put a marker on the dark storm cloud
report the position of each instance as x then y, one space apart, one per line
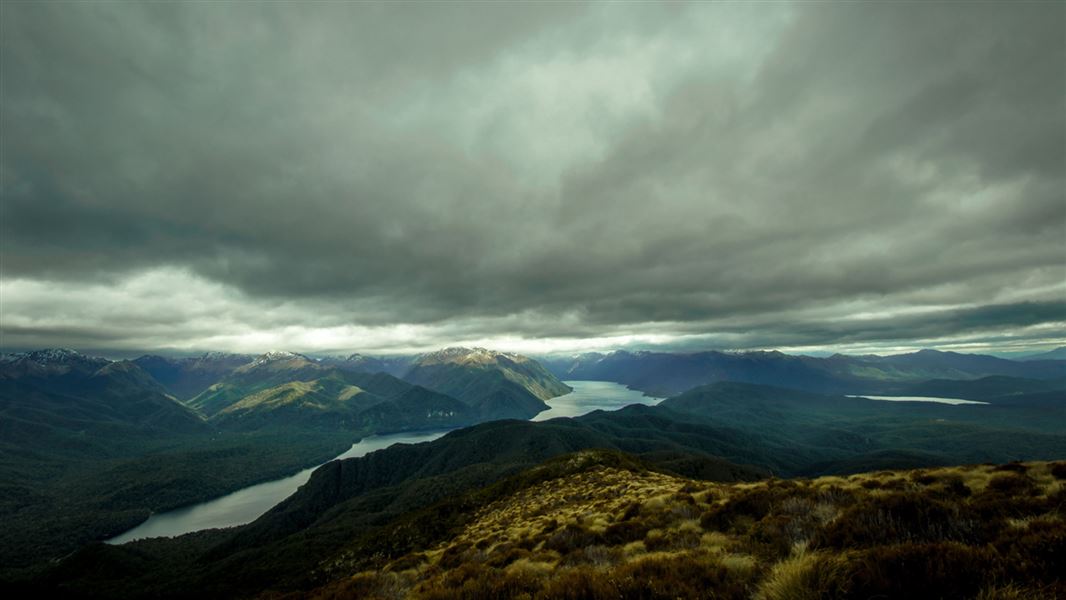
360 175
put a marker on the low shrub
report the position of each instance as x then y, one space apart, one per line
1037 554
580 584
923 478
505 555
409 561
1017 592
1012 467
571 537
773 537
475 582
928 570
685 576
953 486
1011 484
625 531
455 555
1058 470
753 504
902 518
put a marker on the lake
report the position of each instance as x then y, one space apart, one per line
248 504
920 399
593 395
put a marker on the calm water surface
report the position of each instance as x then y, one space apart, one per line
593 395
920 399
248 504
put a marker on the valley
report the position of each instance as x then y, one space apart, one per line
374 454
245 505
493 300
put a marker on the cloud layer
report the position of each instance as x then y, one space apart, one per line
395 177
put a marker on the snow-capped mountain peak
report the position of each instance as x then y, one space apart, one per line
49 356
274 355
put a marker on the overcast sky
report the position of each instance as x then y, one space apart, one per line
340 177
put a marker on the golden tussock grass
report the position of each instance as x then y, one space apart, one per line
994 532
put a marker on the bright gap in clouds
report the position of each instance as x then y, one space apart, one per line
173 310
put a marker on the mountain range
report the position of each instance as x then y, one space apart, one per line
91 447
71 422
364 513
665 373
63 400
1055 354
495 384
187 377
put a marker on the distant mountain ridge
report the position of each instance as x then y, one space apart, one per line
487 385
283 389
393 365
354 509
58 365
448 388
263 372
496 384
1056 354
664 373
187 377
64 399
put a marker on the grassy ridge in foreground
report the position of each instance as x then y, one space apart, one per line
616 530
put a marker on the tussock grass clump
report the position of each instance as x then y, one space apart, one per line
805 576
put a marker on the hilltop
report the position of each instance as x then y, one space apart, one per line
608 528
496 384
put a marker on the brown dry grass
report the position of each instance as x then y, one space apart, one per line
978 531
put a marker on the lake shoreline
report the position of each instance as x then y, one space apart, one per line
242 506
